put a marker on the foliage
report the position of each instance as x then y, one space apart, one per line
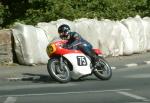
34 11
1 14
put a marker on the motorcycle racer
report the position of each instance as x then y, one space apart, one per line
76 41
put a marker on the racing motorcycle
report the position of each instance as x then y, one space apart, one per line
66 64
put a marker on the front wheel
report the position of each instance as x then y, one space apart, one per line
58 70
103 71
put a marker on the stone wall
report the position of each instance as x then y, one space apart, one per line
6 47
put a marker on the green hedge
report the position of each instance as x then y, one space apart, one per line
34 11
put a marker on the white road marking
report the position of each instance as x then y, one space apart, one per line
113 68
133 96
147 62
131 65
10 87
10 100
64 93
138 76
138 102
16 78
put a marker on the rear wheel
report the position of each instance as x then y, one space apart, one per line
103 70
59 72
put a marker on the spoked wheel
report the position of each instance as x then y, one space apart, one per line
103 70
59 72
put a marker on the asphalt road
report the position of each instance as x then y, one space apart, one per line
128 85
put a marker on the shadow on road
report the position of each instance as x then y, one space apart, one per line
37 78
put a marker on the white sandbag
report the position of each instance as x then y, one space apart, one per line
126 40
42 45
91 30
102 34
114 38
146 24
136 30
109 36
51 28
30 44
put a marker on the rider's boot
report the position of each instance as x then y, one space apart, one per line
94 59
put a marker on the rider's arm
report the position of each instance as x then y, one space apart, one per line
76 36
74 40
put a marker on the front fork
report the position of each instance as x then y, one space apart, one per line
61 62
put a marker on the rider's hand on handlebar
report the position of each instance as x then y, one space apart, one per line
65 46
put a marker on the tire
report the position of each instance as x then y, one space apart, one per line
61 75
103 71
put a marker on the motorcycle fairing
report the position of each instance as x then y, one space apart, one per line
80 63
